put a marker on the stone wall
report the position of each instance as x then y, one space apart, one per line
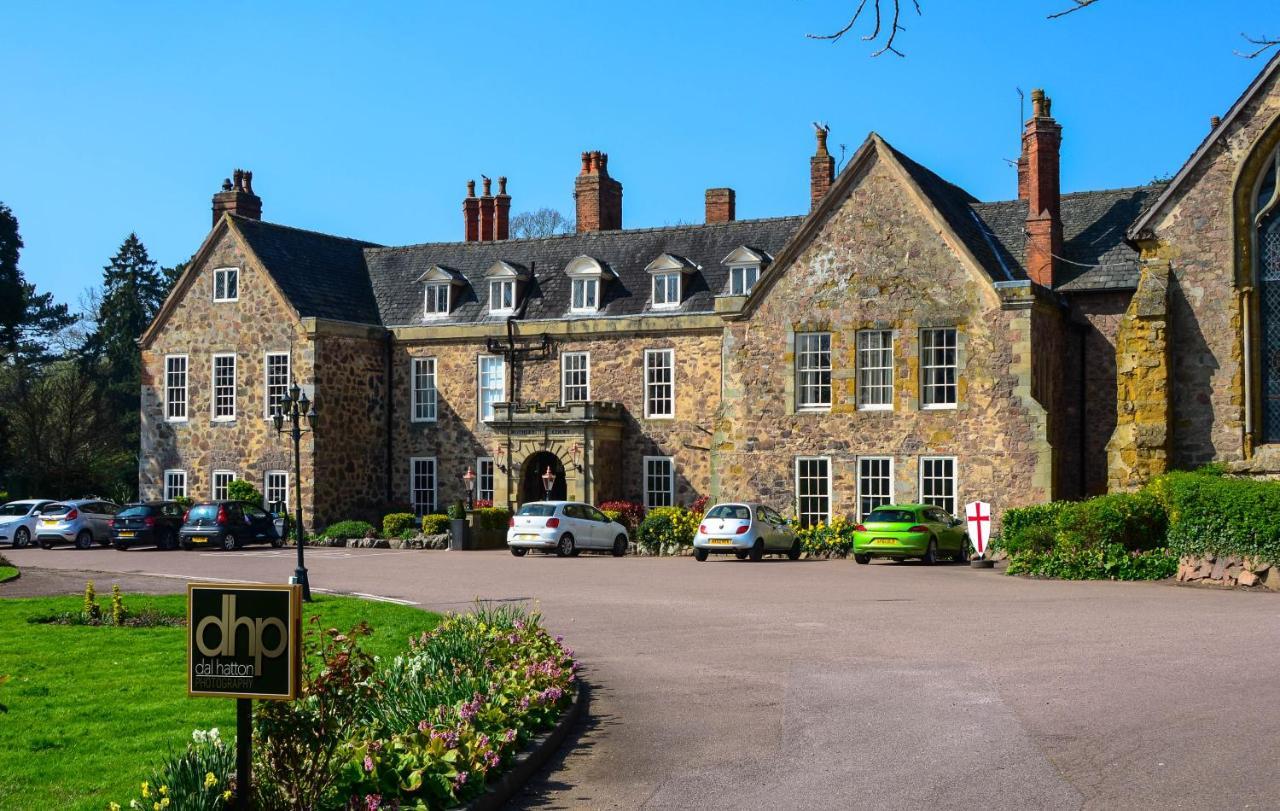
1139 447
1228 571
1097 316
878 263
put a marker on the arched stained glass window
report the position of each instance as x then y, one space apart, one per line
1267 220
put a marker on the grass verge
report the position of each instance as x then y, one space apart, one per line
91 709
8 573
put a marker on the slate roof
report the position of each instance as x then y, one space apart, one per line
323 276
394 271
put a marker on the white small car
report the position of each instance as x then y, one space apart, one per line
747 530
568 527
18 521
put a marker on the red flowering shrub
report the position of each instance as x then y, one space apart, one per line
627 513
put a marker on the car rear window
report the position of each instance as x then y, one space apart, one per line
136 510
890 517
737 511
56 509
537 509
203 511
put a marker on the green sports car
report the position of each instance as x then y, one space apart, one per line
903 531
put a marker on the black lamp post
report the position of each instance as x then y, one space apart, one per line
468 479
548 481
295 408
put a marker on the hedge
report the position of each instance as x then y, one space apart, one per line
350 529
435 524
1133 521
627 513
490 517
1216 515
395 524
666 529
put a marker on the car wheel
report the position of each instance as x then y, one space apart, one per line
84 540
620 546
757 551
700 555
930 553
228 542
21 538
794 552
740 555
963 555
277 542
565 548
518 551
861 559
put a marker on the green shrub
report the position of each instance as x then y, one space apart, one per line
241 490
435 524
1137 521
490 517
1030 528
350 529
184 502
394 524
666 529
1221 515
1108 562
835 539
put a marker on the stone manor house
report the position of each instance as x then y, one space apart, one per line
899 341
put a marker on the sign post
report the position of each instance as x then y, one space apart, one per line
244 641
978 518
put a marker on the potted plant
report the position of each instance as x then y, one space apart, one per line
459 531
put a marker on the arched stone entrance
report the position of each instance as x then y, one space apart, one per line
532 488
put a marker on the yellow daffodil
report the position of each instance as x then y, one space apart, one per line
164 803
226 796
155 807
164 790
210 781
113 807
146 789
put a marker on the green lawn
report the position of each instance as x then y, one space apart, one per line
8 573
91 708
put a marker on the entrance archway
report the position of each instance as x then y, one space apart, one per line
531 486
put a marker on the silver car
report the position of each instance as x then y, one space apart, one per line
81 522
18 520
568 527
746 530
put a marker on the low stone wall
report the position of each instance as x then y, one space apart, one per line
420 542
1228 571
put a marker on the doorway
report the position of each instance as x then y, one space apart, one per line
531 485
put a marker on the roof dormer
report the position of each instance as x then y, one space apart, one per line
587 277
438 283
506 281
668 272
744 266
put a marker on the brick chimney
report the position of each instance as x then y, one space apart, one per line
598 196
471 214
1038 186
502 211
486 210
822 168
237 197
721 205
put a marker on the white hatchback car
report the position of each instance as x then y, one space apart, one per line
568 527
18 520
747 530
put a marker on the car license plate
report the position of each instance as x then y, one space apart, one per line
722 541
886 540
127 534
48 522
527 537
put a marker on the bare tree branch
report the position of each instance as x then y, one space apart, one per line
1263 43
1079 4
894 26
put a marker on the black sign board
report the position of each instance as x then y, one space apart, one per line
244 641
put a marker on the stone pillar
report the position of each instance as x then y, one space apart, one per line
1139 446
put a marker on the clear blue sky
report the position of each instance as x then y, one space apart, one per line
366 119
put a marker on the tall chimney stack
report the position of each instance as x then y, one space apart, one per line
1038 185
237 197
598 196
471 214
486 210
502 211
721 205
822 168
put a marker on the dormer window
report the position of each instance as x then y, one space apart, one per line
437 297
505 280
668 272
744 269
587 278
226 284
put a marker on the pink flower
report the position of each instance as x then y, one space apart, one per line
372 802
368 763
491 760
459 781
509 736
423 726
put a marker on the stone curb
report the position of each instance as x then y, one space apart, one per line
533 758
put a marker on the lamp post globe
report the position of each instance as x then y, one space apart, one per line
468 480
548 481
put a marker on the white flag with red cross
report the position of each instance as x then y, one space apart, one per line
978 516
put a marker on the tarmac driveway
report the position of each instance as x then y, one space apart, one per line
824 684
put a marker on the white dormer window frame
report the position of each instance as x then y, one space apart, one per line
505 280
586 284
745 266
437 299
226 284
668 273
586 295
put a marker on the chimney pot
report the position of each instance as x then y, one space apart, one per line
236 197
471 214
822 168
502 211
1039 186
1214 121
721 205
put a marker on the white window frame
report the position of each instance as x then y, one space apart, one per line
661 281
175 479
419 507
169 389
483 462
220 275
230 476
497 303
668 496
266 379
480 387
213 387
650 385
800 511
431 299
267 488
863 479
935 500
928 368
423 401
565 371
871 366
803 370
742 278
588 285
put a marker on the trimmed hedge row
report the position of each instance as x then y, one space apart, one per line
1220 515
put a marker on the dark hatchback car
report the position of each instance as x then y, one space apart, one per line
153 523
227 525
